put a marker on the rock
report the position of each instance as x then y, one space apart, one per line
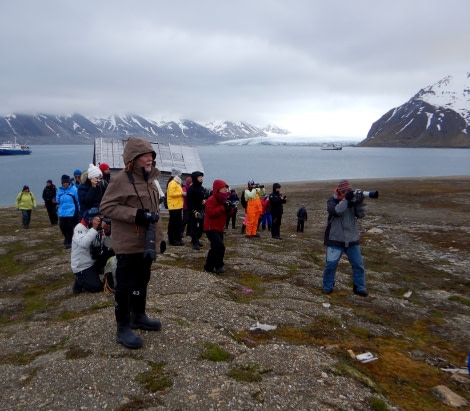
448 397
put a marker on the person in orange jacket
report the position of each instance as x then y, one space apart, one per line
253 208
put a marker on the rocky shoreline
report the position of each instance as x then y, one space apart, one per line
58 349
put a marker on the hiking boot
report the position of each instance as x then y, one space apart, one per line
219 270
362 293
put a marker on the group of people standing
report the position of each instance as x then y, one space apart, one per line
85 208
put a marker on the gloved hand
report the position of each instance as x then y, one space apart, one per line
349 195
162 247
34 208
141 218
227 206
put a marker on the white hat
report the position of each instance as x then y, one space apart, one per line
175 172
94 171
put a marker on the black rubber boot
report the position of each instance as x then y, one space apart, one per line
143 322
243 228
127 338
138 317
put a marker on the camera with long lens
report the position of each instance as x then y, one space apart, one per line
359 195
258 185
150 235
152 216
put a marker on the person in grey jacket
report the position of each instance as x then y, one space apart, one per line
342 236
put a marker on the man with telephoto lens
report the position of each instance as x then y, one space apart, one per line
132 202
342 236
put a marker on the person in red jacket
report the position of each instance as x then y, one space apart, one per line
217 211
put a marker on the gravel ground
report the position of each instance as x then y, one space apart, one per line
62 354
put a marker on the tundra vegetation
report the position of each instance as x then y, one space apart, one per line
58 348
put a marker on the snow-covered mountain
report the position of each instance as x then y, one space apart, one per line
78 129
437 116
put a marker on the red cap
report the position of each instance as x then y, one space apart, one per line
103 166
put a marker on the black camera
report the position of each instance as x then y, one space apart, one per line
152 216
359 195
232 204
257 185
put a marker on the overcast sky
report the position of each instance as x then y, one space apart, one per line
320 68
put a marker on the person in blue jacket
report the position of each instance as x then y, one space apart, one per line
68 209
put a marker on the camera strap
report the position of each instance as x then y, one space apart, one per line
131 180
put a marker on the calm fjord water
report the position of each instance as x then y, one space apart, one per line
238 164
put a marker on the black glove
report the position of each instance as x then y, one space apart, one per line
162 247
349 195
142 217
227 206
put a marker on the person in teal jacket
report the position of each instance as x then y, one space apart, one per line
69 208
26 202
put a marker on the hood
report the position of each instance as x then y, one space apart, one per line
276 185
135 147
195 175
218 184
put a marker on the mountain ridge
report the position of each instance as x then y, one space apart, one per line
77 129
436 116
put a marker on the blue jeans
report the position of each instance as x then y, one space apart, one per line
333 255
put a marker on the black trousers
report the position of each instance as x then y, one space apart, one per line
276 227
196 230
175 221
132 278
67 224
300 225
89 279
215 256
52 212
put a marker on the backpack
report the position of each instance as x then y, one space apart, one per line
243 199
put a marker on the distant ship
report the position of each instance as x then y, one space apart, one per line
330 146
13 149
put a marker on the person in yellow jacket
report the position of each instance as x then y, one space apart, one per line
26 202
174 196
253 208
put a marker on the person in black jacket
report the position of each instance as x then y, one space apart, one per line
91 191
301 218
233 198
195 201
48 195
276 199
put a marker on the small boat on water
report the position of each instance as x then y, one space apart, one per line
331 146
14 149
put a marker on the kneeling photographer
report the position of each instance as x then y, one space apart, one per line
91 248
